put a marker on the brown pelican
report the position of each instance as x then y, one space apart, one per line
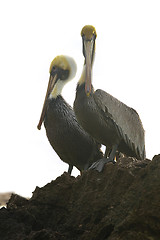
72 144
109 121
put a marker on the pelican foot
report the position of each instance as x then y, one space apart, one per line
99 165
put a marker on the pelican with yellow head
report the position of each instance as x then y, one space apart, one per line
72 144
105 118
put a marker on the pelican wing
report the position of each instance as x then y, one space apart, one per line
125 119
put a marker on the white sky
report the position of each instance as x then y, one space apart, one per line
32 33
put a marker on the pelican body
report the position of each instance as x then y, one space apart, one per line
72 144
105 118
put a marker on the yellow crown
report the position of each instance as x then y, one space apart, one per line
88 31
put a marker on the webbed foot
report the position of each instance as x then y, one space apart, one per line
99 165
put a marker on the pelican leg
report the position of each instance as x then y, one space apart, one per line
99 165
107 152
70 169
113 153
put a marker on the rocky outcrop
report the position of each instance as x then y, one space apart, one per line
122 202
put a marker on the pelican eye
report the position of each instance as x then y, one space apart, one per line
61 73
53 70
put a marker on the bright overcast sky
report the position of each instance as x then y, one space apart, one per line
32 33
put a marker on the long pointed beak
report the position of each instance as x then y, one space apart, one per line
88 45
51 83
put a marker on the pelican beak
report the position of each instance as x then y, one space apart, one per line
88 50
51 83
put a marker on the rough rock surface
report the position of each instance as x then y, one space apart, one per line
122 202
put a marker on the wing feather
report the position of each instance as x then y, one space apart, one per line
126 121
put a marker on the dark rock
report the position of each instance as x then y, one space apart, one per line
122 202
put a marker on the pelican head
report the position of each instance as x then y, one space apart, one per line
62 70
89 35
